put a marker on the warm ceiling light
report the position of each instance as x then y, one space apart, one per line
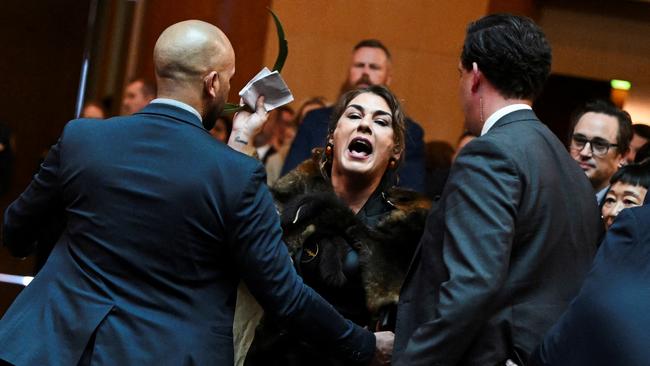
621 84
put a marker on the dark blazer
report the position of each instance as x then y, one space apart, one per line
504 253
313 133
162 223
608 322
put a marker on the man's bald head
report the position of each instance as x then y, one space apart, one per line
194 62
190 49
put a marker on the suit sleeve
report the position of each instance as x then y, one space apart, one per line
480 203
41 199
581 335
266 268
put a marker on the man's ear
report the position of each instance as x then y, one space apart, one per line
477 77
211 83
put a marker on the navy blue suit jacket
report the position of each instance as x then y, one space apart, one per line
313 132
162 223
608 322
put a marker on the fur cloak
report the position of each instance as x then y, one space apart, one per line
311 212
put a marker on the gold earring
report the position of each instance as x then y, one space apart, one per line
328 149
392 163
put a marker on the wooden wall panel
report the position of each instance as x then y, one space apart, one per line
42 46
245 24
425 38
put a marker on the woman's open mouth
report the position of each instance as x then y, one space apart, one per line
360 148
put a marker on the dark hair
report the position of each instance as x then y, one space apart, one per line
372 43
398 119
511 51
624 134
643 154
148 87
637 174
641 130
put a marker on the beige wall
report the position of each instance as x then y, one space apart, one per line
424 37
595 43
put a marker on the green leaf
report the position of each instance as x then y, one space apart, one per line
231 108
283 51
283 48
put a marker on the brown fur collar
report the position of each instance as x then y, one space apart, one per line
310 209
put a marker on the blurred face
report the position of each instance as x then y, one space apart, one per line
601 129
621 195
636 143
92 111
364 138
370 66
134 98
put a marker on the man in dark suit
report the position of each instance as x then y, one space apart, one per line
370 65
608 322
516 227
162 223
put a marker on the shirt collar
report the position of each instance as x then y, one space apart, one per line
494 117
179 104
600 195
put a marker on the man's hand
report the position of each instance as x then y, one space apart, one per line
245 126
384 348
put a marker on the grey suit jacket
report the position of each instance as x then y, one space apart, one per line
503 254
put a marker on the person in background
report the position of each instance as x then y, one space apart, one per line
137 94
627 188
599 141
93 109
640 138
275 162
439 159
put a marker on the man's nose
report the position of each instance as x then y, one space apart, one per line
586 150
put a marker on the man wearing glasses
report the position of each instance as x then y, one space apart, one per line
600 139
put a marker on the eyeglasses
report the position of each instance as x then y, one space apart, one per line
599 146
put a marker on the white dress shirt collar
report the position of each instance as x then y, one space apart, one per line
178 104
494 117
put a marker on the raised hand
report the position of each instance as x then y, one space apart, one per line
245 125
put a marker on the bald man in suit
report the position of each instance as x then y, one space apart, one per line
163 221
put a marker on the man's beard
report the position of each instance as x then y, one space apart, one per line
212 113
363 80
